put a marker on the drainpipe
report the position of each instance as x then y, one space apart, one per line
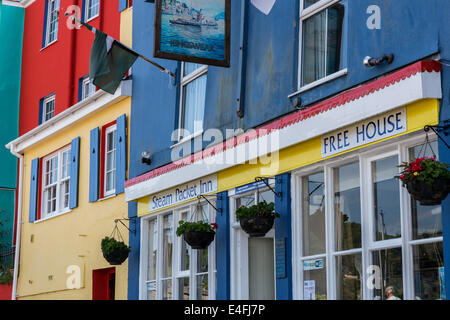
19 221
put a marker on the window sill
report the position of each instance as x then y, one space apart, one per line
92 18
188 138
319 82
54 216
49 44
107 197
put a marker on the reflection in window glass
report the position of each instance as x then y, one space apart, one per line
428 271
183 287
426 220
349 277
202 287
347 207
308 3
314 279
152 254
185 257
246 201
386 198
167 246
388 279
167 289
313 214
267 195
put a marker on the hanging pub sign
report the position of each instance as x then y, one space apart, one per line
193 31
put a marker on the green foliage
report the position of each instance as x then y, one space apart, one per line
199 226
423 169
110 245
6 277
262 209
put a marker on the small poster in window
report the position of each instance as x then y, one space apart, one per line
309 290
195 31
442 282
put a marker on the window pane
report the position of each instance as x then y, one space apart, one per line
166 290
308 3
167 246
202 287
347 207
246 201
349 277
388 279
185 257
267 195
191 67
315 279
183 287
426 220
202 261
428 271
152 249
313 208
65 194
151 290
386 196
322 35
194 105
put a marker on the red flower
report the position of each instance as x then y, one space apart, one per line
214 225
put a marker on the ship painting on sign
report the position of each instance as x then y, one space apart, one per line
193 27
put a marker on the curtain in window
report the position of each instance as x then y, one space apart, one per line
322 35
194 105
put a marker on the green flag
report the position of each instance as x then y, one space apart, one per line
109 62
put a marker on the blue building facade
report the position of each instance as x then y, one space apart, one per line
330 127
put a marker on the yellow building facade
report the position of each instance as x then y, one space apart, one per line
59 254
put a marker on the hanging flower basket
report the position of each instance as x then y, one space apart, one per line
115 252
198 235
426 179
257 220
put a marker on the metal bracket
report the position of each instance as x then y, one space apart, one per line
120 220
436 129
257 179
203 197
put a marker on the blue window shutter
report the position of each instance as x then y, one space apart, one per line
223 247
83 11
74 172
80 88
94 165
121 153
45 24
41 110
34 187
122 5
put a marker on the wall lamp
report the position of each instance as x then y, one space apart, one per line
372 62
146 157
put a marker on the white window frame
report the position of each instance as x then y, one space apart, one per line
110 130
239 276
185 80
56 3
89 5
45 110
177 273
306 13
365 156
58 184
88 88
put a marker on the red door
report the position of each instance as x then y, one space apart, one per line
104 284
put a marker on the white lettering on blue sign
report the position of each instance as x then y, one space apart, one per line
183 193
364 132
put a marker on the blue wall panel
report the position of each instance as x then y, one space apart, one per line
223 247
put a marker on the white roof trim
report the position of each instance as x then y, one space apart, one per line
72 115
